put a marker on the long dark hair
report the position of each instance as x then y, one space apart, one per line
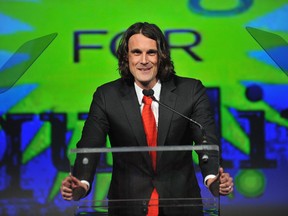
166 67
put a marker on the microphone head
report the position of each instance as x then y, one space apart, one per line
148 92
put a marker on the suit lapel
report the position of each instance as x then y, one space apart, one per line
168 98
132 110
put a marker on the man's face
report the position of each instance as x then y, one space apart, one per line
143 60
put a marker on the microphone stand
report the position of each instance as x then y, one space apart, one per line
150 93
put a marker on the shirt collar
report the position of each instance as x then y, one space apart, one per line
156 89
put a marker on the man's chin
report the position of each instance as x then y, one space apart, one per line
145 83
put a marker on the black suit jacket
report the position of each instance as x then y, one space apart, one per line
115 112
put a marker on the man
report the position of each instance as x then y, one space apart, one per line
117 110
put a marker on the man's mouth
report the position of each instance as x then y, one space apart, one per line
145 69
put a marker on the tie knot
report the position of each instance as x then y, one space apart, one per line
147 100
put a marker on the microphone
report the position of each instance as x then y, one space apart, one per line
78 193
150 93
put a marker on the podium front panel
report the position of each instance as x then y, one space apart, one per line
121 197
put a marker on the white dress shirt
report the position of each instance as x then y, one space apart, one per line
154 105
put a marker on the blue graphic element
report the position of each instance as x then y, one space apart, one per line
12 25
280 56
273 94
2 149
17 59
43 166
243 122
4 56
274 21
69 135
254 93
14 95
243 5
274 45
263 57
30 130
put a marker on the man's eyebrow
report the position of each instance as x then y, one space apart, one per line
149 51
135 50
152 51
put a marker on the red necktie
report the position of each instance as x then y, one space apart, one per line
149 124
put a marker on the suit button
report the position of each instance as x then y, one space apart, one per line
145 211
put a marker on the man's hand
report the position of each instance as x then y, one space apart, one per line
72 188
225 182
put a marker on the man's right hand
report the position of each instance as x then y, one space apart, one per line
72 188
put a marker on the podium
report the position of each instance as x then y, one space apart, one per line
208 204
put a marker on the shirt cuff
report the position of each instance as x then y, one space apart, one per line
208 177
87 183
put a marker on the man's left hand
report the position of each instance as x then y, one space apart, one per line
225 182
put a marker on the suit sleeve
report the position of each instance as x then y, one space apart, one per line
94 135
203 114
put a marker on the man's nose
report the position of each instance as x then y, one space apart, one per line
144 59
